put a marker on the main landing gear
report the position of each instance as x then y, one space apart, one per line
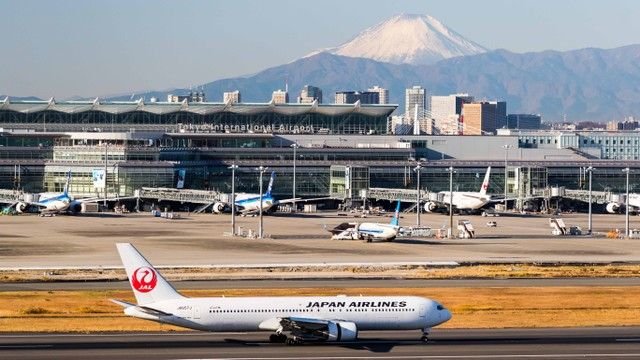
283 339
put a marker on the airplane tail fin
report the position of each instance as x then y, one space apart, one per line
396 216
147 283
485 183
67 183
273 176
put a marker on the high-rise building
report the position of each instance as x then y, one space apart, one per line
193 96
416 99
501 113
479 118
280 97
383 94
351 97
309 94
524 121
445 112
232 97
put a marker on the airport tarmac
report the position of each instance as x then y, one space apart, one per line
88 241
572 343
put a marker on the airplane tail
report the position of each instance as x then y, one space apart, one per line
485 183
147 283
396 216
67 183
273 176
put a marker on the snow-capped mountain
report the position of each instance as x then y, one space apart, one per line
408 39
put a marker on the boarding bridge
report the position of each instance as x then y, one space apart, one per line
204 197
404 195
10 196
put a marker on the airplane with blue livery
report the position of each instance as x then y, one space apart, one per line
368 231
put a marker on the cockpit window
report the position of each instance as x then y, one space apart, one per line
440 307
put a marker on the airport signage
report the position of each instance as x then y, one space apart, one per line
248 128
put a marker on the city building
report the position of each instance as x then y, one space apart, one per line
280 97
383 94
351 97
309 94
193 96
232 97
416 102
446 111
524 121
628 124
479 118
501 113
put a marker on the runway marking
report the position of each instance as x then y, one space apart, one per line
35 346
503 356
112 335
628 340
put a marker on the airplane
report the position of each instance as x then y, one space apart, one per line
462 200
249 204
293 320
51 203
368 231
615 207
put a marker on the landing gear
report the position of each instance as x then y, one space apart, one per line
425 335
277 338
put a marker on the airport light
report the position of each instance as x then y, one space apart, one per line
418 170
295 146
262 169
233 168
506 148
450 235
626 205
589 170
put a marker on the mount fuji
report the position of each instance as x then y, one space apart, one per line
408 39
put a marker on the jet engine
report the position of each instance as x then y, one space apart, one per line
75 207
21 207
219 207
342 331
430 206
612 207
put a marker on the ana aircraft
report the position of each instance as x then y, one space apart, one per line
292 320
462 200
250 203
368 231
49 203
615 207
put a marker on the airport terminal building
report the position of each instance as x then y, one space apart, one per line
191 145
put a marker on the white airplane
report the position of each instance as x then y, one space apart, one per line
291 319
368 231
250 203
51 203
615 207
462 200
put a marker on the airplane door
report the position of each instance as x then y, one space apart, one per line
423 311
196 312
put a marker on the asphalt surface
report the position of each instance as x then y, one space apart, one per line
327 283
578 343
194 240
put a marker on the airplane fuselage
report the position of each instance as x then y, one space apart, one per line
246 314
466 200
250 202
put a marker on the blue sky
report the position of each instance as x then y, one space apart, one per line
91 48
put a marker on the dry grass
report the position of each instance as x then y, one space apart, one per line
86 311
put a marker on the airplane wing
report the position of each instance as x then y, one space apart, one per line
294 324
288 201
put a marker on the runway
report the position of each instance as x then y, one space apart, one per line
575 343
327 283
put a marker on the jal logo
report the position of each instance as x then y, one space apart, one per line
144 279
485 186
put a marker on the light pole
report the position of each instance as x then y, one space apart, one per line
589 170
106 160
233 168
295 146
626 205
262 169
450 202
506 148
418 170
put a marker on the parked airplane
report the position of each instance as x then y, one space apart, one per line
49 203
291 319
368 231
250 203
462 200
615 207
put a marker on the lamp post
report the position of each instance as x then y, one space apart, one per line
295 146
506 148
589 170
418 170
626 205
450 202
262 169
233 168
106 160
